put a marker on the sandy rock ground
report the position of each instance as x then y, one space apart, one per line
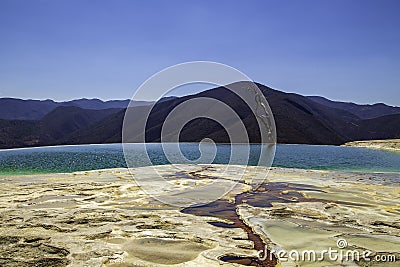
391 144
102 218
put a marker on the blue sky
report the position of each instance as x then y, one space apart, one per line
66 49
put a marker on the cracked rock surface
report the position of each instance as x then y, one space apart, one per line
102 218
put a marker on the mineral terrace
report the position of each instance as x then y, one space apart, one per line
103 218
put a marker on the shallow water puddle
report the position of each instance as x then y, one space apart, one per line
164 251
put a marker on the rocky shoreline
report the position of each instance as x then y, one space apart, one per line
390 144
102 218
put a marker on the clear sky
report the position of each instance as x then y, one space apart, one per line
67 49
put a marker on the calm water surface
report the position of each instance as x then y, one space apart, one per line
89 157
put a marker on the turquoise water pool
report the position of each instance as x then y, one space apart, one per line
89 157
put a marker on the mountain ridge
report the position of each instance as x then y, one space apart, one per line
299 119
30 109
51 129
364 111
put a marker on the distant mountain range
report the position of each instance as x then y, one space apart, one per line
18 109
362 111
299 120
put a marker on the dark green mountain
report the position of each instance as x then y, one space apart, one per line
51 129
362 111
299 120
18 109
